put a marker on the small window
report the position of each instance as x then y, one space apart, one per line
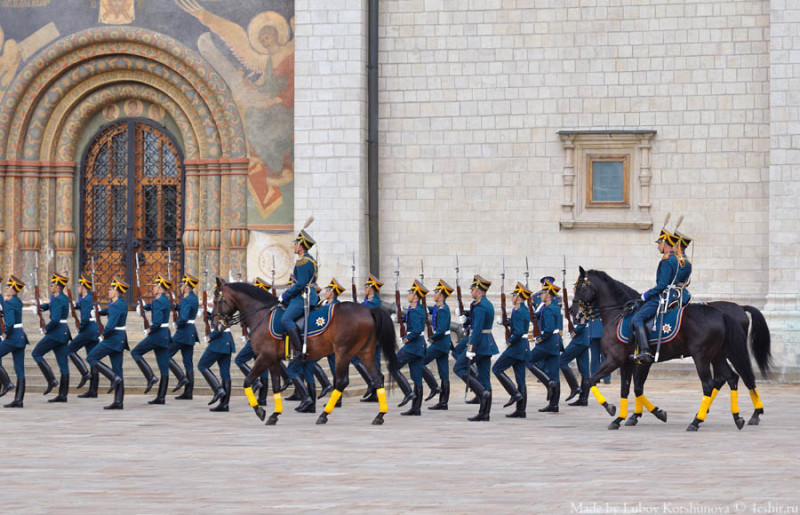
608 179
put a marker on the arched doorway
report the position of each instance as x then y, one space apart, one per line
132 205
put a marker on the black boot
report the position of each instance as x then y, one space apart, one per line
521 405
246 372
213 382
324 382
183 379
510 387
553 406
18 396
574 389
402 382
485 409
641 340
284 377
189 390
80 366
539 374
262 393
5 382
482 395
296 395
444 397
63 390
297 344
161 398
309 403
583 398
151 378
110 375
93 383
47 372
223 404
119 395
416 405
369 395
433 384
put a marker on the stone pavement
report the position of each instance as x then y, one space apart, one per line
181 458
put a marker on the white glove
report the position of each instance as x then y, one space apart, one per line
470 354
41 330
209 311
462 319
393 316
643 297
499 320
205 339
244 339
101 338
138 309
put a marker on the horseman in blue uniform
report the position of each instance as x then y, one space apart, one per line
219 350
113 342
481 346
666 276
684 267
371 300
56 337
87 336
157 340
440 342
516 353
304 273
14 338
185 336
547 346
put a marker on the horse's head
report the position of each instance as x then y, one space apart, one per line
585 293
224 305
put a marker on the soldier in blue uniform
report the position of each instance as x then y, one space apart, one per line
219 350
595 335
666 276
246 354
14 338
440 342
481 347
548 344
56 337
87 336
157 340
516 353
413 351
371 300
578 349
113 342
185 337
304 273
330 295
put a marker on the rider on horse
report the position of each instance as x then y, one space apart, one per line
305 274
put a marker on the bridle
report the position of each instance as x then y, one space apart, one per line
237 316
586 307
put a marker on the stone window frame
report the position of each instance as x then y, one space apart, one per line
580 147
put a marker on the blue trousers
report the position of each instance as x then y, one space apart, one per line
414 363
100 351
61 351
162 354
597 357
210 357
505 362
302 369
549 362
81 340
18 354
647 311
580 353
187 353
245 355
442 362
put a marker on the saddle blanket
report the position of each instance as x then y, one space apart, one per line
318 321
669 327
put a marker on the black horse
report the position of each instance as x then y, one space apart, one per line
707 334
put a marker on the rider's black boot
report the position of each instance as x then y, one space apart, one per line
644 345
297 344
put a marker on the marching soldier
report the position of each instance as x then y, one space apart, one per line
113 342
413 350
157 340
548 344
516 353
371 300
246 354
330 295
87 336
219 350
304 273
14 340
185 337
481 346
56 337
578 349
595 335
440 343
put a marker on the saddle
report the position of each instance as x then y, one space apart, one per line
670 326
318 319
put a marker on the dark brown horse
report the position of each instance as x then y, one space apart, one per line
354 330
706 334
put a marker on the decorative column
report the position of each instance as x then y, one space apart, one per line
191 232
238 215
64 236
2 212
29 242
568 176
212 227
645 176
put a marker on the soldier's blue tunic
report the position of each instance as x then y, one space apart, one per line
185 331
115 337
462 364
548 349
375 302
595 335
413 351
15 339
157 339
219 350
684 274
481 341
305 273
440 342
516 353
87 328
666 274
578 349
56 333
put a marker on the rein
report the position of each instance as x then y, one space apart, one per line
235 319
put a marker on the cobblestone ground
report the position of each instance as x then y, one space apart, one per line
180 458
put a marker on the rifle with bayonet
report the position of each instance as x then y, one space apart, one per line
570 325
428 326
37 294
536 331
100 326
353 278
503 312
242 324
172 306
72 306
205 299
139 301
397 300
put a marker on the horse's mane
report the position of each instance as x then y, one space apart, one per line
618 289
253 291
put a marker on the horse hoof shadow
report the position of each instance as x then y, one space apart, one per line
378 420
660 414
273 419
610 409
615 424
323 418
739 421
633 419
260 413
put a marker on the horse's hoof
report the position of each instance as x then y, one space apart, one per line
633 420
273 419
260 413
615 423
692 428
610 409
754 421
660 414
739 421
323 418
378 420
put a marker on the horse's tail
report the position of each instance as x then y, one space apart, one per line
735 345
760 340
387 339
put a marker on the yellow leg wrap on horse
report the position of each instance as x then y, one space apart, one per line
734 401
637 405
278 402
251 398
714 393
383 407
597 395
704 405
623 408
332 401
756 398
